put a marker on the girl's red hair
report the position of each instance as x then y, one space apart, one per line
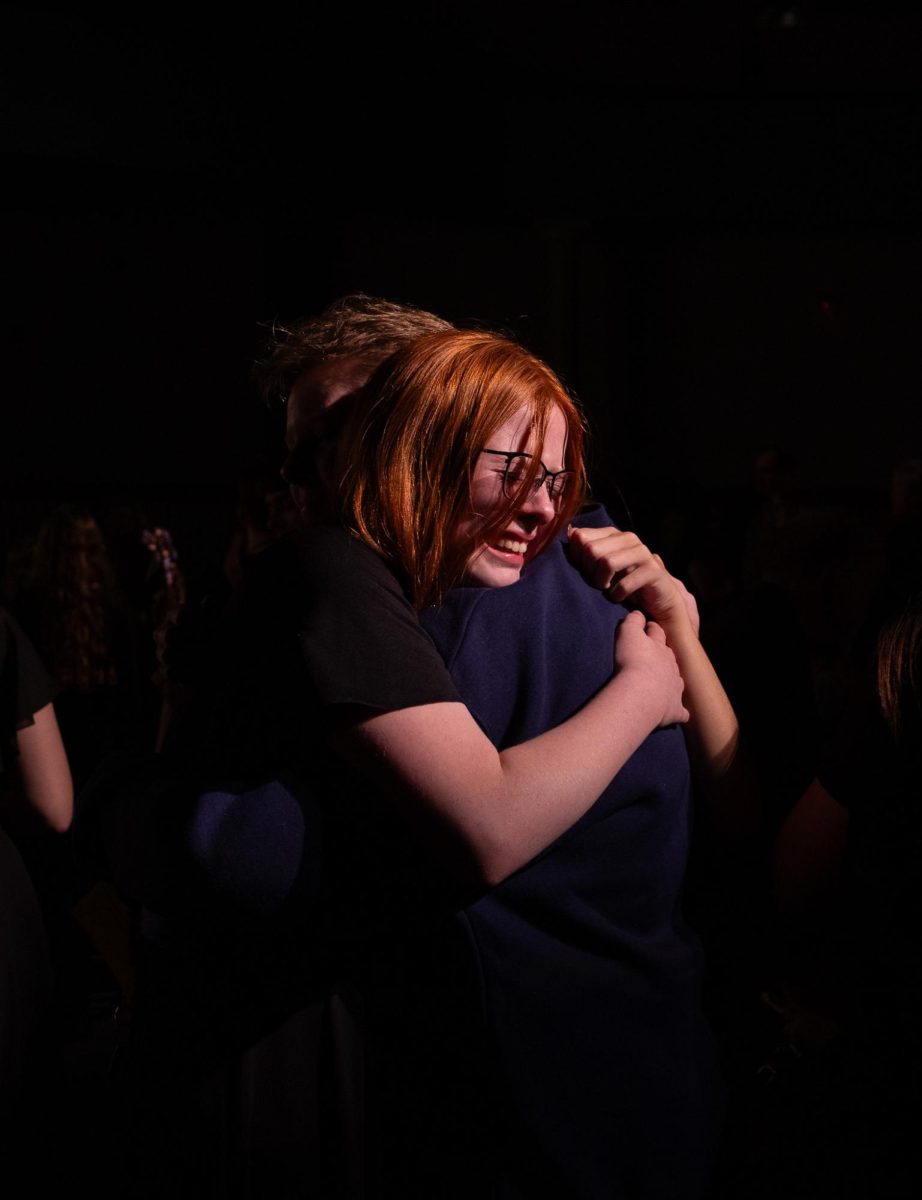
409 447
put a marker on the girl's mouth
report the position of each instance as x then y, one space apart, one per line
512 545
510 549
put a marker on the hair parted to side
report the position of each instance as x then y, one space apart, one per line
409 448
356 325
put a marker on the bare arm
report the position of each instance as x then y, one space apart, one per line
628 572
495 810
44 770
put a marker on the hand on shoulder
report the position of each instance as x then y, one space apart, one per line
628 572
641 654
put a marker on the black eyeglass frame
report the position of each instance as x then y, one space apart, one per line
544 477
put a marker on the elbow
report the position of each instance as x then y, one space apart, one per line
54 806
723 759
474 871
479 865
477 880
491 875
501 846
58 811
61 820
496 861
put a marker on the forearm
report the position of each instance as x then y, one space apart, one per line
494 811
712 730
621 566
723 777
552 780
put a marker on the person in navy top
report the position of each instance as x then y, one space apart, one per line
591 979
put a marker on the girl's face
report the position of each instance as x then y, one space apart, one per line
499 561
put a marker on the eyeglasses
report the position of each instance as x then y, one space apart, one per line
515 474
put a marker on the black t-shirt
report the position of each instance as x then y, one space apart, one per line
391 903
362 640
25 968
317 625
365 651
25 685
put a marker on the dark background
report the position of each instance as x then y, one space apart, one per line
708 218
710 222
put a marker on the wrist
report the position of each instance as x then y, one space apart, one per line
676 622
639 699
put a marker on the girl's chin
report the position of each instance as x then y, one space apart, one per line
492 567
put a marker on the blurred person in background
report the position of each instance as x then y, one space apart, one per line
36 794
71 606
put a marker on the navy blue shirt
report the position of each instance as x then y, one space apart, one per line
605 1071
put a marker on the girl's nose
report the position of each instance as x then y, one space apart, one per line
539 505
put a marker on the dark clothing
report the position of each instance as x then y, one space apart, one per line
254 858
25 964
365 650
25 982
25 686
108 716
591 979
546 1038
391 907
834 1109
237 1068
874 944
362 640
243 850
233 661
541 1040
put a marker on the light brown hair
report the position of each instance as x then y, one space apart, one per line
358 326
409 447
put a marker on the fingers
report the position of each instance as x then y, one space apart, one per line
584 534
641 646
591 544
615 562
635 618
613 567
636 621
632 629
633 579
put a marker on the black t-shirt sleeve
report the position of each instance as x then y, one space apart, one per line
25 685
30 684
361 638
